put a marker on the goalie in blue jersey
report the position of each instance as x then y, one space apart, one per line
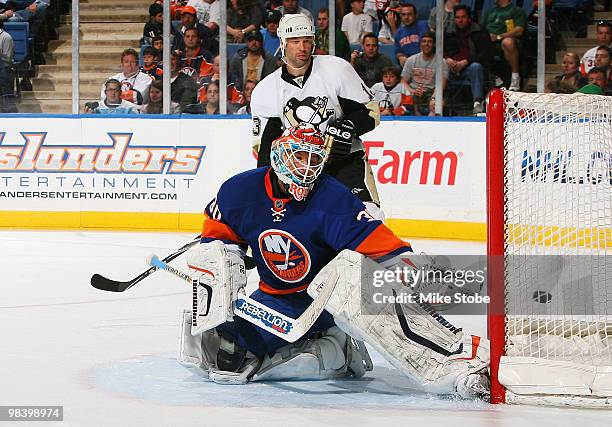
304 227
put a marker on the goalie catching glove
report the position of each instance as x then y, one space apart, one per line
219 279
342 132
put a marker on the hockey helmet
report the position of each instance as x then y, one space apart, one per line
294 25
297 157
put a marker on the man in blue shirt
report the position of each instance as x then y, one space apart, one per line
408 36
271 42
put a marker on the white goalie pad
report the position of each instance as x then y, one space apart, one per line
333 355
430 351
200 351
219 279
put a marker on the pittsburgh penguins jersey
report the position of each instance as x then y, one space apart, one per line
329 89
292 241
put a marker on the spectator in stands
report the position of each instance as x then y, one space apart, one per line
155 26
112 101
156 100
597 76
419 73
468 51
604 38
571 74
134 83
158 44
243 16
249 85
322 37
183 89
449 15
213 73
5 14
150 65
506 24
356 23
558 86
292 6
7 51
391 93
252 62
389 23
195 62
602 60
212 95
271 42
408 36
591 89
27 10
189 20
370 62
208 13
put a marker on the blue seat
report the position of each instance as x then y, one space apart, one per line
389 50
20 32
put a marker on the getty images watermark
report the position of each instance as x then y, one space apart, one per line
443 282
546 285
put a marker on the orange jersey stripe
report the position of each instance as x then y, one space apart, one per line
269 290
380 242
214 229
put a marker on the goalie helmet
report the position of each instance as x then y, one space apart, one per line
294 25
297 157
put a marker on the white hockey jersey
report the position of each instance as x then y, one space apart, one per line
324 93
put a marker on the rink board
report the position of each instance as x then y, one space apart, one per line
158 173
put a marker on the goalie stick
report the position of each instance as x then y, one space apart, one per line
100 282
263 316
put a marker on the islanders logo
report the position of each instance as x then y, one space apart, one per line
286 258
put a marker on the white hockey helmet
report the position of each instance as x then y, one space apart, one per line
294 25
297 157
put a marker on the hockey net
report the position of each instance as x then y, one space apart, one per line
549 213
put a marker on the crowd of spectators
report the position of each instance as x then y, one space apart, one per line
390 46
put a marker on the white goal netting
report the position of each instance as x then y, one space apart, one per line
558 236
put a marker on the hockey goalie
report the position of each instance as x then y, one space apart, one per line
310 236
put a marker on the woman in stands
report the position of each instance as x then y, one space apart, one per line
571 74
156 100
388 13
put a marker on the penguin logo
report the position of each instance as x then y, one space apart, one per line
310 110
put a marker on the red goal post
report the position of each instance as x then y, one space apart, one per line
549 227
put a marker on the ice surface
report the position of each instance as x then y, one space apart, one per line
108 358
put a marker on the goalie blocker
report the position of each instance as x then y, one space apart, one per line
432 353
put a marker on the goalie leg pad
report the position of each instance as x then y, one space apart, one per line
430 351
201 351
331 356
219 278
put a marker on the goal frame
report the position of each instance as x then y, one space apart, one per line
496 199
558 358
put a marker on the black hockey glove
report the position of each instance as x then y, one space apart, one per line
343 131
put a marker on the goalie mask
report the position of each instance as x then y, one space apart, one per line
297 157
294 25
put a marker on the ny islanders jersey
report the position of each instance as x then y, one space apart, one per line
292 241
316 98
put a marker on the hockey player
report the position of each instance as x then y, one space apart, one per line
304 227
322 90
